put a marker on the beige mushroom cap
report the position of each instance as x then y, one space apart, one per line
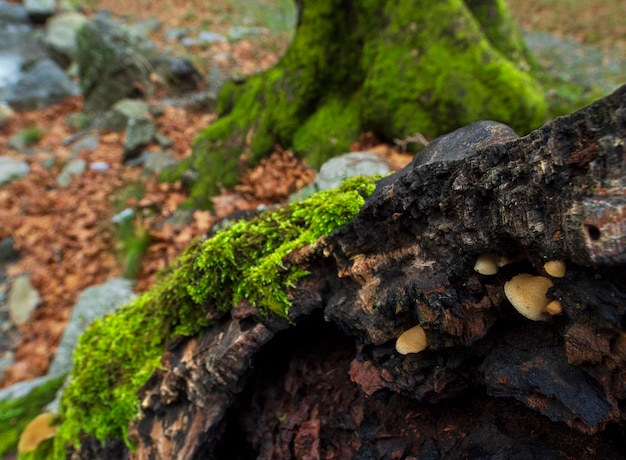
553 308
486 264
555 268
527 293
413 340
39 429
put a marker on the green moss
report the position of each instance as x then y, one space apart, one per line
26 137
15 414
118 353
431 76
329 131
502 31
45 449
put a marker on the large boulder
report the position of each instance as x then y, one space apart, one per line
112 64
60 37
40 83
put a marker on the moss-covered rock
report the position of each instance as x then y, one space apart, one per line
395 68
117 354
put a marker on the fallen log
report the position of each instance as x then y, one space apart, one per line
329 382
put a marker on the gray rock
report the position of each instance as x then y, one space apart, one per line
177 33
93 303
60 37
12 169
25 138
204 38
6 112
112 64
158 161
126 213
99 166
87 143
146 27
40 84
10 64
21 389
117 117
463 142
163 140
23 298
6 359
11 14
40 10
139 133
72 168
179 73
237 33
336 170
78 120
7 253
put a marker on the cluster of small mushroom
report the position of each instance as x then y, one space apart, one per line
527 293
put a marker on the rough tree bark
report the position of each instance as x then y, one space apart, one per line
330 383
392 68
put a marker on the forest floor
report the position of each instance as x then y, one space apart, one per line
65 237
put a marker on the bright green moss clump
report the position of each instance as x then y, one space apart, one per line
117 354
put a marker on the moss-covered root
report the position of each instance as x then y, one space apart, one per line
502 31
395 68
117 354
442 74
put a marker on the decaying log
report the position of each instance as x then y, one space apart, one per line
491 382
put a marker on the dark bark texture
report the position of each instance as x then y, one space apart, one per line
491 384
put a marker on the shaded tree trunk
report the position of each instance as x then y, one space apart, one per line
392 68
330 383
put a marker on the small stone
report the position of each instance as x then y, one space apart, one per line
122 215
239 33
23 298
336 170
60 36
78 120
158 161
7 253
6 113
116 119
40 84
99 166
40 10
73 168
11 169
87 143
139 133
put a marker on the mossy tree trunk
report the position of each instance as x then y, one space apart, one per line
395 68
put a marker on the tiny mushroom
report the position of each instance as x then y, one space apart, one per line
413 340
555 268
553 308
39 429
486 264
527 293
